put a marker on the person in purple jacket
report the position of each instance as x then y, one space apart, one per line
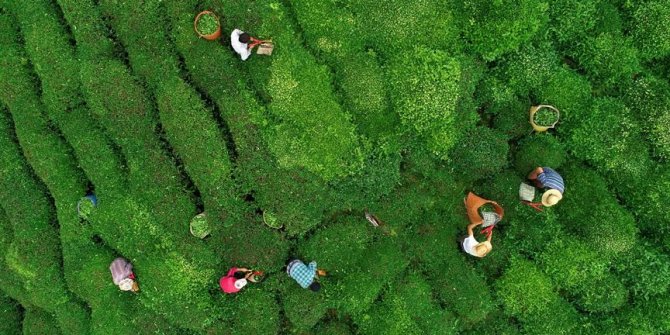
123 276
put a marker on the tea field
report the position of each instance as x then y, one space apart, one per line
398 107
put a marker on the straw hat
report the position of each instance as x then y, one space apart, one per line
551 197
483 248
126 284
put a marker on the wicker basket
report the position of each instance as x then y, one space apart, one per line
538 127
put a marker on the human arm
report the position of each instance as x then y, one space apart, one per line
470 228
312 267
533 174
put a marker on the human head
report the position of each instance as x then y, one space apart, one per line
315 287
244 38
240 283
239 275
483 248
551 197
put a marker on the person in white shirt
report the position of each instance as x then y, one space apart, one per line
239 40
474 247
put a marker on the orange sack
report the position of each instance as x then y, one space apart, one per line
472 204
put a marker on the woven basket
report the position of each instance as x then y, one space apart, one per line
190 226
538 127
213 36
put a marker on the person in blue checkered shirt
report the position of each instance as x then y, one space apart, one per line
304 274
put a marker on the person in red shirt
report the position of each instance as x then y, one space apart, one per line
236 279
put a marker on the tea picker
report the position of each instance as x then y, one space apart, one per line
243 44
237 278
305 275
123 276
547 179
478 215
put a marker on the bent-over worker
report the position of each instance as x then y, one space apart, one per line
123 276
236 279
551 181
305 274
474 247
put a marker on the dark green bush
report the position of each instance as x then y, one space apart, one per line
480 153
578 269
255 311
398 25
645 271
407 307
572 20
649 99
606 136
609 58
425 90
527 294
539 150
302 307
495 28
354 294
39 322
10 316
650 27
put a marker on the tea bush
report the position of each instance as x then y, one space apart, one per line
498 27
645 271
10 316
539 150
527 294
649 25
425 91
398 108
480 153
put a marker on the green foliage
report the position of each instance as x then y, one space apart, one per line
614 230
398 25
606 136
399 107
609 58
527 295
645 271
39 322
650 28
408 308
10 316
425 89
497 27
480 153
649 99
539 150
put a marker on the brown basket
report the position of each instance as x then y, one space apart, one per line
213 36
538 127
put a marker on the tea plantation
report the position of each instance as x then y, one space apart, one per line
398 107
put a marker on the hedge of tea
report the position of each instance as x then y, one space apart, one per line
398 108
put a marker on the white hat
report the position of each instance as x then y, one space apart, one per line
551 197
126 284
240 283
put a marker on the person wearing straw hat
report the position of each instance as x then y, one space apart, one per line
551 181
474 247
123 276
236 279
